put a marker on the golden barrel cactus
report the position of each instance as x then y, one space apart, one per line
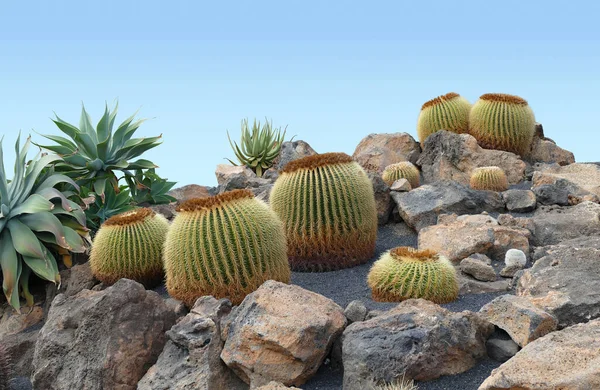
225 246
446 112
489 178
402 170
405 273
129 245
327 206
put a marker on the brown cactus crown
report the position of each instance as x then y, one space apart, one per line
503 98
130 217
420 255
316 161
198 204
440 99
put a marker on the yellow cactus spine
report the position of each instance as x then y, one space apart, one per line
405 273
503 122
447 112
489 178
129 245
402 170
327 206
225 246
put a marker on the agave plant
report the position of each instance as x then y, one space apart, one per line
149 188
259 146
115 202
35 218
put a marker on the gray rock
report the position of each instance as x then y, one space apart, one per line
519 201
553 194
510 271
478 269
383 201
101 340
263 192
355 311
468 285
81 278
237 177
401 185
500 349
552 224
418 339
20 348
377 151
545 150
292 150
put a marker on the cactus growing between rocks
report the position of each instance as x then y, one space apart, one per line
447 112
404 273
489 178
130 245
327 206
225 246
503 122
402 170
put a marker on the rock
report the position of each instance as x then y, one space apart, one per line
468 285
420 207
191 357
401 185
510 271
577 179
555 224
290 151
383 201
20 347
417 338
519 222
377 151
14 322
263 192
553 194
515 258
238 177
519 201
565 360
565 283
101 340
355 311
501 350
451 156
478 269
271 174
276 386
522 320
281 332
176 306
81 278
190 191
544 150
576 243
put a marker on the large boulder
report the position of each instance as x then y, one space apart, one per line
421 207
238 177
451 156
553 224
281 332
101 340
377 151
545 150
418 339
565 360
292 150
576 179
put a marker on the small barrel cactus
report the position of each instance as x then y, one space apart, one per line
489 178
402 170
447 112
327 206
503 122
225 246
405 273
130 245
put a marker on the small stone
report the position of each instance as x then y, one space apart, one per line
478 269
515 257
401 185
469 285
519 201
355 311
501 350
510 270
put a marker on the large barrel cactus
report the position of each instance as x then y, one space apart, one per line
503 122
447 112
130 245
405 273
225 246
489 178
327 206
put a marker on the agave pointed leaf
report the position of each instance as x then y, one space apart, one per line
46 222
11 269
24 285
58 149
62 141
131 129
3 183
112 117
76 160
76 212
74 240
32 176
53 193
142 164
232 163
85 124
103 127
34 204
17 184
56 178
100 187
65 127
24 240
44 267
87 145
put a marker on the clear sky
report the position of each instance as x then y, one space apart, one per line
332 71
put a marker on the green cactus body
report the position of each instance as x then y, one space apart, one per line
489 178
129 245
405 273
402 170
225 246
503 122
447 112
327 206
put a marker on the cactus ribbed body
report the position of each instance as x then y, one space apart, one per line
489 178
130 245
503 122
402 170
447 112
327 206
405 273
225 246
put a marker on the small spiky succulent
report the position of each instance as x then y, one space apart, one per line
225 246
503 122
404 273
446 112
398 384
489 178
327 206
402 170
130 245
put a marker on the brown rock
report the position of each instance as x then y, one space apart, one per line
190 191
584 179
14 322
478 269
401 185
545 150
80 278
276 386
468 285
377 151
237 177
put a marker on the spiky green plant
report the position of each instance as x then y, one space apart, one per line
225 246
404 273
503 122
446 112
130 245
402 170
489 178
35 218
259 146
398 384
114 203
148 188
327 206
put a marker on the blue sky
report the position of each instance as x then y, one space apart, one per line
332 72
